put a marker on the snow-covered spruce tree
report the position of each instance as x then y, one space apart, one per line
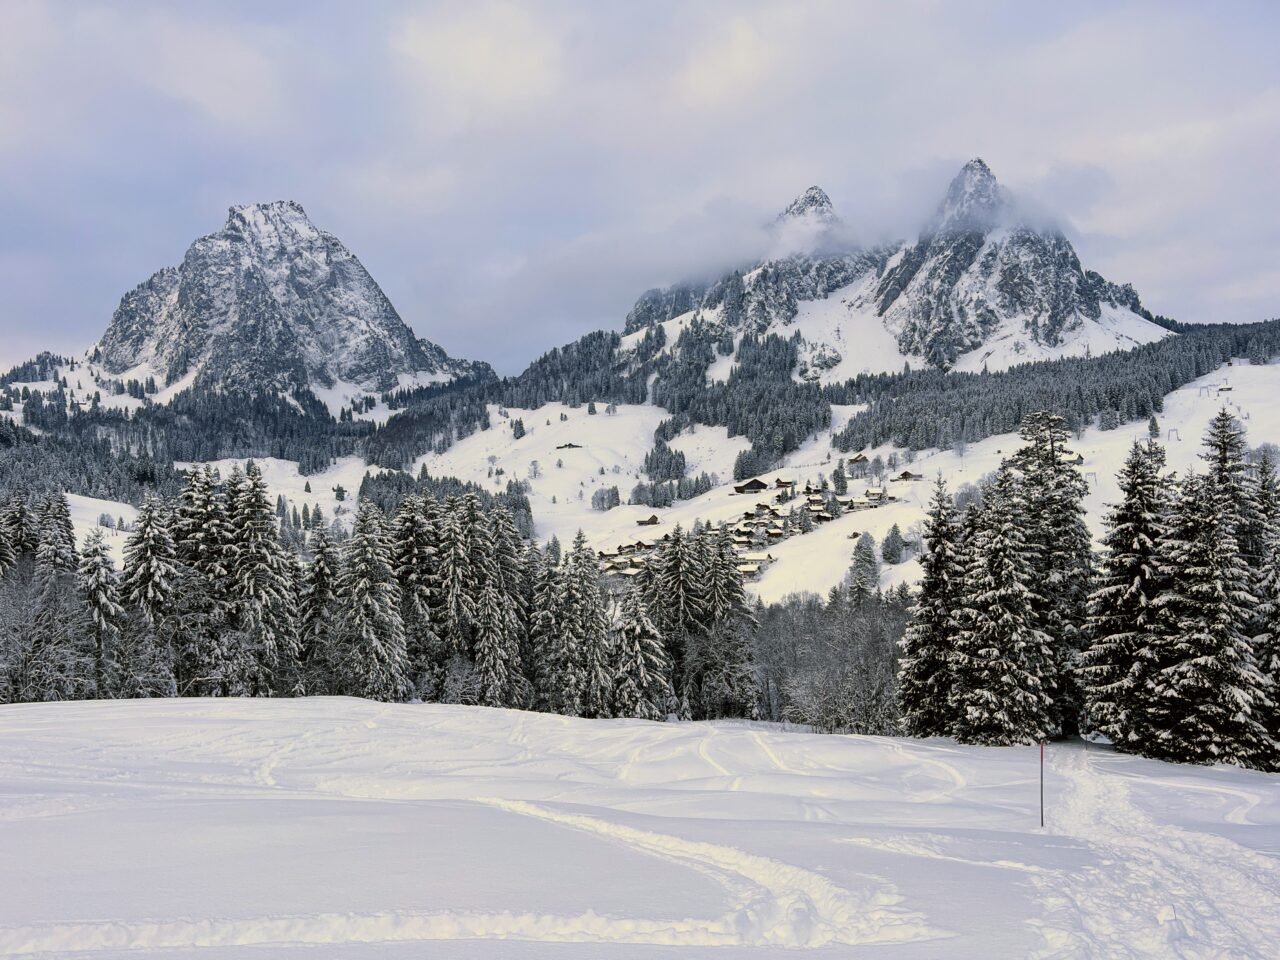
261 589
414 556
924 672
151 564
508 560
594 648
676 598
998 693
56 549
1054 491
19 524
319 657
51 659
8 555
1114 666
556 681
370 634
726 596
641 688
1267 640
719 679
496 652
893 546
1224 456
1206 699
207 658
863 579
96 577
459 581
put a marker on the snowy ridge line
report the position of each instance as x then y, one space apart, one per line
779 905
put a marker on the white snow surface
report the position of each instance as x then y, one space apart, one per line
343 828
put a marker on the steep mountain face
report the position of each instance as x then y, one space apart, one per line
982 285
981 270
272 301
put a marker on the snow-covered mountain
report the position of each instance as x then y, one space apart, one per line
983 285
273 301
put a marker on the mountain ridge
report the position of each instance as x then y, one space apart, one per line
981 283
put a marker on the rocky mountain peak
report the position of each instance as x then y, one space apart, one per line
812 204
974 201
271 301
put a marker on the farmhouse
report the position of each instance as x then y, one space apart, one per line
651 521
755 485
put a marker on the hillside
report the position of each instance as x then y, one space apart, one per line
149 828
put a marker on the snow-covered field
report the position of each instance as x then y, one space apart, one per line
344 828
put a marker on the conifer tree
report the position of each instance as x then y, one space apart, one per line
924 673
370 631
96 577
495 649
151 564
458 580
1206 699
1114 667
998 694
8 556
1224 456
414 553
863 579
892 547
641 689
1053 491
260 588
318 655
19 524
206 657
1267 641
595 655
550 644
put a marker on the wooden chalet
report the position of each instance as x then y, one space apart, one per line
908 475
650 521
569 446
754 485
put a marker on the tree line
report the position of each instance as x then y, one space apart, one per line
438 600
1168 642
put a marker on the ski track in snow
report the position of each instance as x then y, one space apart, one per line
733 838
1156 890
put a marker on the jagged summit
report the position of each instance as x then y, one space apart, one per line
812 204
271 301
975 200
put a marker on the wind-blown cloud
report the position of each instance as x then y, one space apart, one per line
515 173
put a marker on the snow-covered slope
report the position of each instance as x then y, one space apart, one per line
348 829
985 284
270 300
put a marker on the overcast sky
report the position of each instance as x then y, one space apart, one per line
515 174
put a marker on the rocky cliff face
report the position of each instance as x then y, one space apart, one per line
981 268
271 301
